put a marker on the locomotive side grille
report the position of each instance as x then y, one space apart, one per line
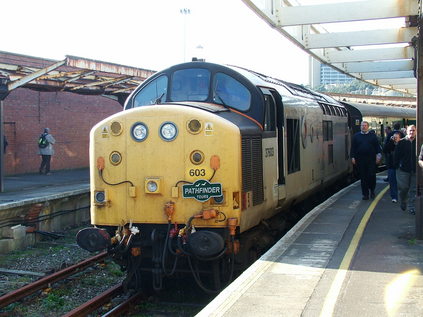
247 178
252 168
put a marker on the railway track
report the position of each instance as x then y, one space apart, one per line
88 307
103 299
42 283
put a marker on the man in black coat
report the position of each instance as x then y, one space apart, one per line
388 148
365 154
405 158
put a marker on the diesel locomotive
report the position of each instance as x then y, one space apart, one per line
203 164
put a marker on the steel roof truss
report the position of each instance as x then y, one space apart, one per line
397 87
345 56
9 67
385 75
108 82
344 12
391 54
26 79
382 66
55 74
398 81
81 74
359 38
122 90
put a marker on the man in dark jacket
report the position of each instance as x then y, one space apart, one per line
365 154
388 148
405 163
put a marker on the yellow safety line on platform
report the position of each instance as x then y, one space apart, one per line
332 296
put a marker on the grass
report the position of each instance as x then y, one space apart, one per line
412 241
53 302
114 269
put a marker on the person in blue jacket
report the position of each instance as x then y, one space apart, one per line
365 155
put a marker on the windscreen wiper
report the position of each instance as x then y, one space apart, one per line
221 100
159 99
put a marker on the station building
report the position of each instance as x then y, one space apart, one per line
69 111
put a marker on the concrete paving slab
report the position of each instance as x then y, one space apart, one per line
295 277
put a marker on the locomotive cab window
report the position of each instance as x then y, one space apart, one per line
293 144
327 130
153 93
230 92
190 84
269 113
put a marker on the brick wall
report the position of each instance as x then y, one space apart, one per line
70 118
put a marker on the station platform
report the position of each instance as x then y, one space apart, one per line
26 189
34 203
346 257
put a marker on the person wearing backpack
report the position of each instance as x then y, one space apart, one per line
45 149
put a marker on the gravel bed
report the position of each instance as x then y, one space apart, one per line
49 256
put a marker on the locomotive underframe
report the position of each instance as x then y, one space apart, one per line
163 255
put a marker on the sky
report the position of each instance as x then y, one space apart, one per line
151 34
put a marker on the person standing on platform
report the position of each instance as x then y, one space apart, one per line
5 144
365 154
405 164
388 132
388 149
421 157
45 144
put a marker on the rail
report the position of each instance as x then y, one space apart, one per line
31 288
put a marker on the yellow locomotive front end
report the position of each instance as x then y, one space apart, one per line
147 158
165 188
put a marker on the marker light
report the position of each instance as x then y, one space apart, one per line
100 163
152 185
116 128
115 158
215 162
99 197
219 199
194 126
139 131
168 131
196 157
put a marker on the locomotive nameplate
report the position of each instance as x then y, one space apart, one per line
202 190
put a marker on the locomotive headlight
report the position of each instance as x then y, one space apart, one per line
168 131
152 185
139 131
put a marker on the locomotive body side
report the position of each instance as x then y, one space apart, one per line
320 144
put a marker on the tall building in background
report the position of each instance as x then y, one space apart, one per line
321 74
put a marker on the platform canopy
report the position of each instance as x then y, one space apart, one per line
72 74
371 40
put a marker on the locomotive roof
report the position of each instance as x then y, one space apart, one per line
298 90
258 79
252 81
389 111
